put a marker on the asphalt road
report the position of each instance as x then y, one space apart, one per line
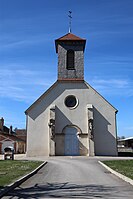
77 177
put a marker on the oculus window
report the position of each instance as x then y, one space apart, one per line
70 60
71 101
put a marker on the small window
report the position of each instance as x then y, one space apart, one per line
70 60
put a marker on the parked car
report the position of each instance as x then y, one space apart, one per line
9 153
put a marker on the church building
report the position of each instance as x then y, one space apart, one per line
71 118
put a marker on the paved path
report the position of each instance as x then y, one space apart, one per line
77 177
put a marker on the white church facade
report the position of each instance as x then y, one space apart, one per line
71 118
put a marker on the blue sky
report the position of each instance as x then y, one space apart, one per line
28 61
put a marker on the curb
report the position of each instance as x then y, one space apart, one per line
126 179
21 180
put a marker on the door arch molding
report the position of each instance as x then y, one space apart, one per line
72 126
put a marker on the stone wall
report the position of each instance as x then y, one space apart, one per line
63 72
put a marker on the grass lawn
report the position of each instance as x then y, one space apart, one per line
124 167
12 170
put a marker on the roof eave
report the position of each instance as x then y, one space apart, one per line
116 111
61 41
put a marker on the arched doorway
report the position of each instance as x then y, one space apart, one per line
71 141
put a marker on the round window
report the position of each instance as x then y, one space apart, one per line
71 101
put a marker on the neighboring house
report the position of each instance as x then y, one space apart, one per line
71 117
5 129
125 143
21 133
9 138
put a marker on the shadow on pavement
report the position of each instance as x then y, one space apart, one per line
66 190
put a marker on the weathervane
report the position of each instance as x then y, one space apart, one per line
70 21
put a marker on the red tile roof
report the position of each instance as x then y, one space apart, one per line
8 136
70 36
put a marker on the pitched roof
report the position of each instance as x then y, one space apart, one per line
125 139
70 36
6 130
41 97
57 83
88 85
11 137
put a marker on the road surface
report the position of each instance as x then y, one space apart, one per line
73 177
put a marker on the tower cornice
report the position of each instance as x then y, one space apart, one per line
69 37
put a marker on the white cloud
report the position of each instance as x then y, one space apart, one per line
18 42
112 82
27 85
113 86
112 60
23 85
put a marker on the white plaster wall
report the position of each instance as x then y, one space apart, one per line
65 116
38 135
104 118
83 144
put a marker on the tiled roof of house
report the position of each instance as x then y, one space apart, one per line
21 133
12 137
5 129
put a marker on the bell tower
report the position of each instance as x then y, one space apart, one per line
70 49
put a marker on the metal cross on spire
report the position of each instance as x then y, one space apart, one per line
70 21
